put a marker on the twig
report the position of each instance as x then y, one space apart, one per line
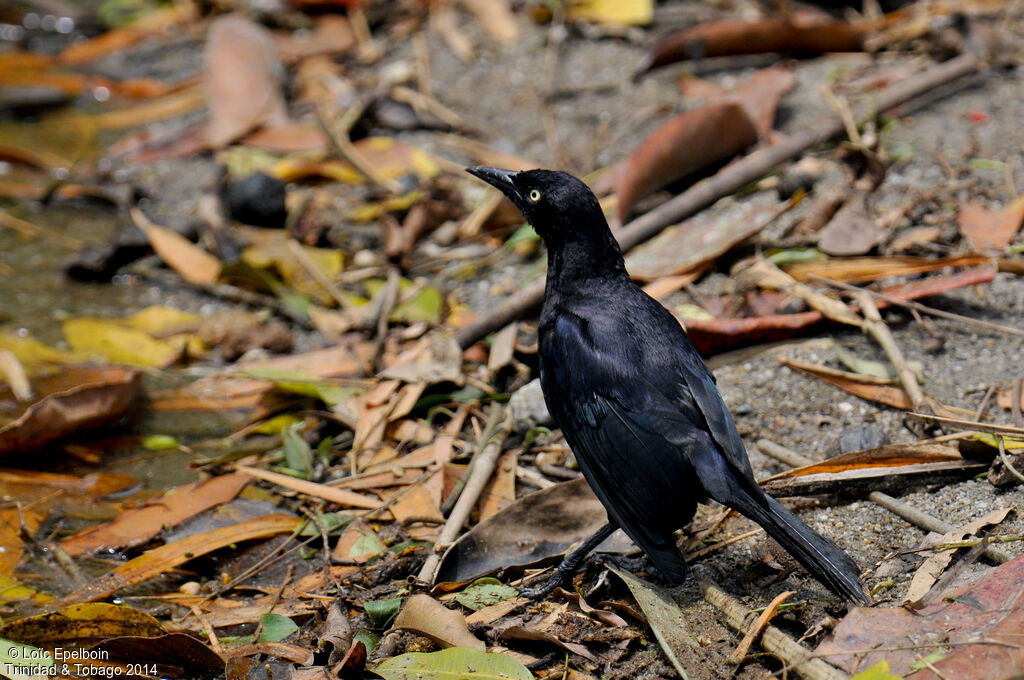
275 598
968 425
910 304
30 230
874 326
842 109
318 275
773 640
728 180
337 132
484 462
207 628
1006 461
907 512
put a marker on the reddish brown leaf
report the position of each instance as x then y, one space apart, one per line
796 33
988 230
682 146
243 80
78 399
137 526
978 625
717 335
159 560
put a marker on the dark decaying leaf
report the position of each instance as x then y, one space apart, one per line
174 655
663 616
79 398
796 33
978 626
535 528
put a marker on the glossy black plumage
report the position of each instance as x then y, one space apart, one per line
632 396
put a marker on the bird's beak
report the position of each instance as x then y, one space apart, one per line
498 178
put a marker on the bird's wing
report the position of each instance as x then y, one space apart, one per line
694 384
630 440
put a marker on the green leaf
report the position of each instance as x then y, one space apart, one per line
381 612
880 671
276 627
297 454
784 258
932 658
331 522
369 640
455 663
24 661
367 543
160 442
484 592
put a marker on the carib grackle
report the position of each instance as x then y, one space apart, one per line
633 398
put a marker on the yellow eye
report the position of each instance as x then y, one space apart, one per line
534 195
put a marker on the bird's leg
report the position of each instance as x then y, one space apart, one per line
571 563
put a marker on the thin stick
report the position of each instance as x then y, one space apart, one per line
484 463
1006 461
728 180
874 326
910 304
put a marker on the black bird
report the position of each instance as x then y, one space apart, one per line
634 400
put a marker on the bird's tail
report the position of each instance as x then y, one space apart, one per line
821 557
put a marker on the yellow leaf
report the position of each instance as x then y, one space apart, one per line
627 12
159 320
34 355
90 620
115 342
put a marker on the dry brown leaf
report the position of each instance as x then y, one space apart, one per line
683 145
796 32
978 625
914 236
850 231
861 269
886 392
426 616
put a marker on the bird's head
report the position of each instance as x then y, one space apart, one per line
555 203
